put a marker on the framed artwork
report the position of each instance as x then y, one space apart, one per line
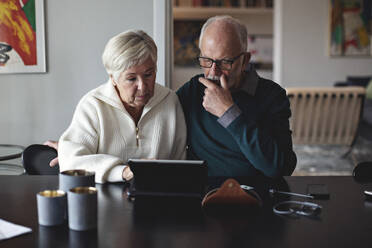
350 27
186 42
22 44
261 49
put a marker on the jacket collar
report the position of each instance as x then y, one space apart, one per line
250 80
108 94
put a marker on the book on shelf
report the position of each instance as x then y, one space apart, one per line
224 3
206 3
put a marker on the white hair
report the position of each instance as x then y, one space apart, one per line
240 29
128 49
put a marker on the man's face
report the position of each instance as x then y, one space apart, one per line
219 43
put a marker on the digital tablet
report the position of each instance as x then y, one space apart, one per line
186 178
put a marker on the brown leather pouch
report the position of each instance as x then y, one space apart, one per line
230 194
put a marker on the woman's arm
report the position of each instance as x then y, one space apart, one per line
179 148
78 147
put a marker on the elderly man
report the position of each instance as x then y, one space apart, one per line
236 121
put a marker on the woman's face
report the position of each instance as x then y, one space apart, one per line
136 84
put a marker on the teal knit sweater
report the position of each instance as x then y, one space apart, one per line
257 141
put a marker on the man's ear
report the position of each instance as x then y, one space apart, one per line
246 59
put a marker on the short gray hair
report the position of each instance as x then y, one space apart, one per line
240 29
128 49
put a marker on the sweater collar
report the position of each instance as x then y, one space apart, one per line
249 81
160 92
107 93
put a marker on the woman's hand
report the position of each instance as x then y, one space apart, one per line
53 144
127 174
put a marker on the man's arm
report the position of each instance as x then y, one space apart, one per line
266 143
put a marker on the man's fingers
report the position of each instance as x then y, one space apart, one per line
223 82
204 104
206 82
53 162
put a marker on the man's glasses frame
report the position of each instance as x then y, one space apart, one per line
289 208
223 64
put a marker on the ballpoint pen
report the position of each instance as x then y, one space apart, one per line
273 191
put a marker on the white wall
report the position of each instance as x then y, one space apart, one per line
301 34
36 107
163 37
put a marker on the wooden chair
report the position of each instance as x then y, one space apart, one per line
325 115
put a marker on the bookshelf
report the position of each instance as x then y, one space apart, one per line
189 15
203 9
202 13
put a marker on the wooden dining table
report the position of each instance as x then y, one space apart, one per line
345 219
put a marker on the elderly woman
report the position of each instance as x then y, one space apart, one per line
130 116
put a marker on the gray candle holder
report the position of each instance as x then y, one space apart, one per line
75 178
82 208
51 207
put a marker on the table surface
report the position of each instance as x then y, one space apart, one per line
345 220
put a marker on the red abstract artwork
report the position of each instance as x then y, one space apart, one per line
18 35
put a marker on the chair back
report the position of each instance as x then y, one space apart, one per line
10 153
36 158
327 115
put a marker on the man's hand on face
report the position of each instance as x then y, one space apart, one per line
217 99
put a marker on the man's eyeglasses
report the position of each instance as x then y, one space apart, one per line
293 208
308 209
223 64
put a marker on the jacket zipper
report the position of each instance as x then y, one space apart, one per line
137 136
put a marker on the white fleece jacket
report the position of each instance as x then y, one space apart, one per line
103 136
